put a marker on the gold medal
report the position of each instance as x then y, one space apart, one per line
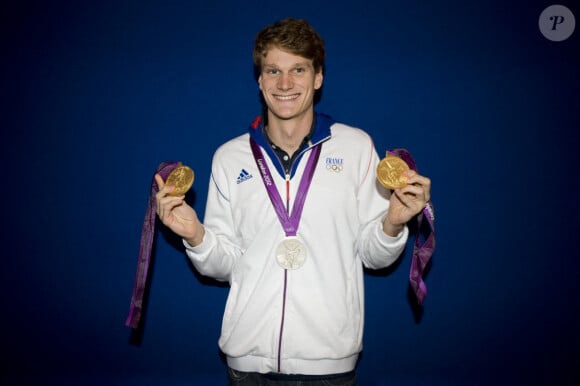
390 172
182 178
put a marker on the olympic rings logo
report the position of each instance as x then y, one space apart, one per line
334 167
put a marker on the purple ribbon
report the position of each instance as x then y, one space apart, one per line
147 235
422 252
289 222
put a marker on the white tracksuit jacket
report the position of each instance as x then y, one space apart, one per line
309 320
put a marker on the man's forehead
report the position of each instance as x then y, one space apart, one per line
274 63
276 60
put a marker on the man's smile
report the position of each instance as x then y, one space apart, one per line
286 97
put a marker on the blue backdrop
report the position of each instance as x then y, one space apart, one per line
96 94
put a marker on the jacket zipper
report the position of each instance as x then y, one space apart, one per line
285 284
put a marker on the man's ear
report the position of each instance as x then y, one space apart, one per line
318 78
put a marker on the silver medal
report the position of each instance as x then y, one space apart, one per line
291 253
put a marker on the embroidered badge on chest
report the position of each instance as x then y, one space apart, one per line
334 164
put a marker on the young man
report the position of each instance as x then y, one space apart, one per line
293 214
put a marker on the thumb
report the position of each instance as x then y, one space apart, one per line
159 181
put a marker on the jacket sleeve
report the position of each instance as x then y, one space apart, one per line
216 254
376 249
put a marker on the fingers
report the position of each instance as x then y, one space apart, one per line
163 189
176 214
415 178
165 202
159 180
417 192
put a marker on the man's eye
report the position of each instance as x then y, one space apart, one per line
272 71
299 70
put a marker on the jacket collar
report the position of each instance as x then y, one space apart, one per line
320 134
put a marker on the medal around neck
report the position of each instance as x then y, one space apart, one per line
182 178
390 172
291 253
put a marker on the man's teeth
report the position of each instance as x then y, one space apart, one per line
286 97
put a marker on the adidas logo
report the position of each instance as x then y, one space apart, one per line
244 176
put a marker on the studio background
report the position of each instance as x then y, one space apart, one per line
96 94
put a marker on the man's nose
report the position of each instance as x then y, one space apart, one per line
285 82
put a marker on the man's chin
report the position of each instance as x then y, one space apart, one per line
283 116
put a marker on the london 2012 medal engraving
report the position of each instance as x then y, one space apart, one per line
291 253
390 172
182 178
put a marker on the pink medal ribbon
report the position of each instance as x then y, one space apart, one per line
422 251
289 222
144 260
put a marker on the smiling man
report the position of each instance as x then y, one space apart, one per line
293 214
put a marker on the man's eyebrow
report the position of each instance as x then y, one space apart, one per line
298 64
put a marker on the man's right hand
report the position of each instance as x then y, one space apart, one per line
177 215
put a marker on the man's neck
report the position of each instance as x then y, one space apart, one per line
289 134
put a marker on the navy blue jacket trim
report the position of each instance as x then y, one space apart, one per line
321 134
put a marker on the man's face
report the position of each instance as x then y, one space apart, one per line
288 83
